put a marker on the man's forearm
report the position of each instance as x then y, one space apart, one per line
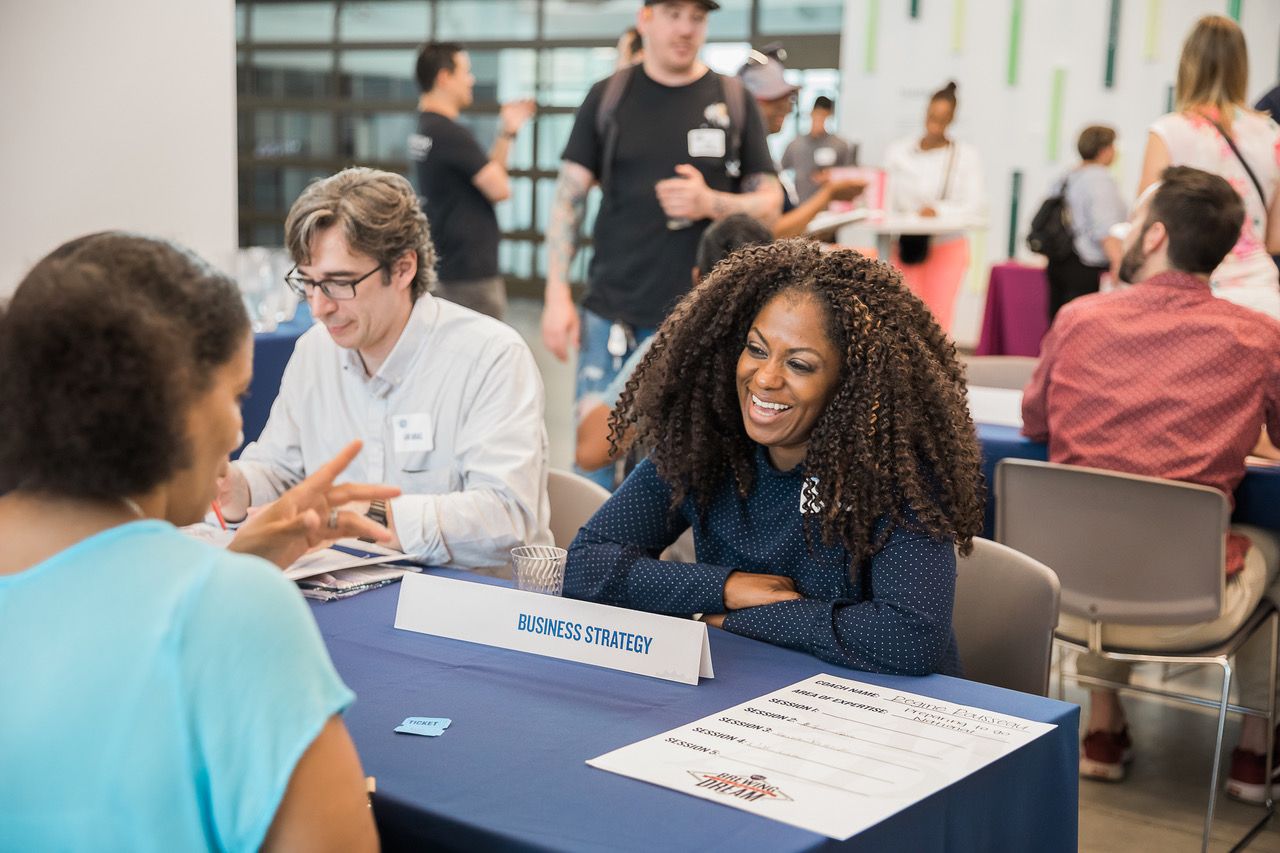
501 149
761 198
794 222
567 211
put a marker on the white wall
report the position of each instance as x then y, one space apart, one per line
116 114
1010 124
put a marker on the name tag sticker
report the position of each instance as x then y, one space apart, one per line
824 157
706 142
412 433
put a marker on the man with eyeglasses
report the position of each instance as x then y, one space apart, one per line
448 402
673 147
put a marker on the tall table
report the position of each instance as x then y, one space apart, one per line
509 774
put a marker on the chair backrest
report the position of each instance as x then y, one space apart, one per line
574 499
999 371
1127 548
1005 613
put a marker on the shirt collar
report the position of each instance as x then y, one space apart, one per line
1177 280
396 367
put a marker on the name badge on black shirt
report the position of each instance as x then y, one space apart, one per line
706 142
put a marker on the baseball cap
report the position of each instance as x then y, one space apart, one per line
762 74
709 5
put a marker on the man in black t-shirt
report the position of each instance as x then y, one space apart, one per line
458 182
670 160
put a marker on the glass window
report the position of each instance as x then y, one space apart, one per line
484 127
378 136
568 72
378 75
292 21
553 134
481 20
726 58
269 134
387 20
515 257
291 73
503 75
273 189
733 20
516 213
266 234
565 19
802 16
242 22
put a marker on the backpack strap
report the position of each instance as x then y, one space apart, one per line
607 119
735 99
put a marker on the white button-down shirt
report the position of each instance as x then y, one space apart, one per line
454 417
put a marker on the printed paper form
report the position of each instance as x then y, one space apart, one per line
826 754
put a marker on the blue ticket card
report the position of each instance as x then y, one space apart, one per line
426 726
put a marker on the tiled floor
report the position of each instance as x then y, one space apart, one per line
1160 807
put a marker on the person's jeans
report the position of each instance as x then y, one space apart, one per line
596 369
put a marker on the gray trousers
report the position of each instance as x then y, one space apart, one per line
486 295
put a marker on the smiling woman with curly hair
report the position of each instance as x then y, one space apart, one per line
807 419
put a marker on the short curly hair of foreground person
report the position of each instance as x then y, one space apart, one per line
896 434
103 347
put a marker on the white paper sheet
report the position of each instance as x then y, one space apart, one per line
329 560
826 754
1002 406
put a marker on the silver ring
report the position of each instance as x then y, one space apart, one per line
333 519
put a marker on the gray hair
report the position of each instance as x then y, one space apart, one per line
378 213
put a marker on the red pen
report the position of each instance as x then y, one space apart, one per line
217 510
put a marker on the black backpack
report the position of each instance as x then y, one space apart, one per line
1051 232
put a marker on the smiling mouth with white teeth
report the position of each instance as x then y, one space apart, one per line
771 408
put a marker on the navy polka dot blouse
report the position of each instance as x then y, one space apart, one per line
893 617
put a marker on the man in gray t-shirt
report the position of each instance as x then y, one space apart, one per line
817 150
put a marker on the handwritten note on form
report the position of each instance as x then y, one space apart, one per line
826 754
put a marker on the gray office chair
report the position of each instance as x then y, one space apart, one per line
1140 551
574 499
1005 612
999 371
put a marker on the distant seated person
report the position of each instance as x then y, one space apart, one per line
594 450
1165 380
159 693
808 422
448 402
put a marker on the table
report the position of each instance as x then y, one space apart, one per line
1257 498
888 227
509 774
1017 313
271 352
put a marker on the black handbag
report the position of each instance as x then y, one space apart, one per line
914 248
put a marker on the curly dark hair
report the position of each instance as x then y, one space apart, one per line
102 347
896 441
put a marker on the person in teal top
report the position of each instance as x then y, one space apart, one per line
157 693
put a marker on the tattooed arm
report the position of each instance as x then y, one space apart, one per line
691 198
559 316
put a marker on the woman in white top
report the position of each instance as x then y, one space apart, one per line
1212 77
933 176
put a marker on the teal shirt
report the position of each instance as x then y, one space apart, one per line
155 694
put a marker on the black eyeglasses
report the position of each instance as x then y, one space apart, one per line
335 289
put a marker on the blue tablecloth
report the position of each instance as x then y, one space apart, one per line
1257 499
509 774
271 351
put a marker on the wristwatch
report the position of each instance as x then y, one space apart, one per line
508 134
378 511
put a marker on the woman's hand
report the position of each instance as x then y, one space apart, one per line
748 589
285 529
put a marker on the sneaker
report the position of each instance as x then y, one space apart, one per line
1103 755
1247 780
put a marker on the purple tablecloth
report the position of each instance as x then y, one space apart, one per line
271 352
1017 314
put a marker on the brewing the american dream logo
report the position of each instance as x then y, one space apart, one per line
750 788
